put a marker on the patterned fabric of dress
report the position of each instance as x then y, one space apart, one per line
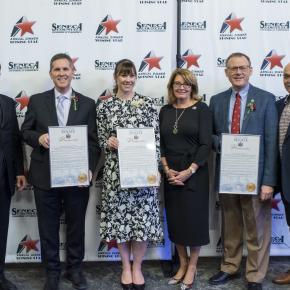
127 214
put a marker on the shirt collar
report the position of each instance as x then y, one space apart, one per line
67 95
243 92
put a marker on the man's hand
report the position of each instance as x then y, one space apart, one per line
266 192
44 140
20 182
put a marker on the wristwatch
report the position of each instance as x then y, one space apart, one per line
192 170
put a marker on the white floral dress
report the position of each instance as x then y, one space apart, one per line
127 214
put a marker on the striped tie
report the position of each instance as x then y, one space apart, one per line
60 110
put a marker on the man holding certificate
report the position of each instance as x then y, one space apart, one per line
246 110
62 107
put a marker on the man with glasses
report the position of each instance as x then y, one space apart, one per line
245 109
283 107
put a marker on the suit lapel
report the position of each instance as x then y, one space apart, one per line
251 95
50 102
74 108
226 108
3 108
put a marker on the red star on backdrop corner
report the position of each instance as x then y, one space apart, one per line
112 244
153 61
29 244
235 23
25 26
274 204
275 59
110 24
22 99
74 60
190 58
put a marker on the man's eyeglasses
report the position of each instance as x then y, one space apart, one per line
242 68
178 85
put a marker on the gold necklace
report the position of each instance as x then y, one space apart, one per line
175 126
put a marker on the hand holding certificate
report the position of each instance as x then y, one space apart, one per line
239 164
68 156
137 157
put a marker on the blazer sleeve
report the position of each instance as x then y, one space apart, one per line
28 128
216 139
270 139
204 136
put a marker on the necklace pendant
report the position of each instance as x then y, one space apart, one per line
174 131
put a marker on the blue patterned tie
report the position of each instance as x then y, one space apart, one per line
60 110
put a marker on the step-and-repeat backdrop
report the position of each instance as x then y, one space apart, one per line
96 34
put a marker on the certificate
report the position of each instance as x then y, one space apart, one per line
239 164
68 151
137 157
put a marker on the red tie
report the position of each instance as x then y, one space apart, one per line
236 117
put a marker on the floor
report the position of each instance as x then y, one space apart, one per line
105 275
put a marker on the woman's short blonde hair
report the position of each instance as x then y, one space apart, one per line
189 79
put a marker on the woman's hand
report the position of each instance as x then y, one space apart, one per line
113 143
179 177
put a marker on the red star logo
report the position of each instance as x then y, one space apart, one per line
112 244
153 62
275 60
74 60
274 204
111 25
23 101
191 59
25 27
30 244
234 23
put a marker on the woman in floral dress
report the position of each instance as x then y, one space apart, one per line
129 216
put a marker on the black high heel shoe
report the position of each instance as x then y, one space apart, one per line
138 286
127 286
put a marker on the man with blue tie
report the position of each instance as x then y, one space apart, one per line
245 109
60 106
11 174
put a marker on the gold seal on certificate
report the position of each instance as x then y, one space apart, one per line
82 178
251 187
151 179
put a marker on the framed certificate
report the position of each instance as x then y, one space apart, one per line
69 160
137 157
239 164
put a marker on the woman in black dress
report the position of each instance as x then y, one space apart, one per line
186 130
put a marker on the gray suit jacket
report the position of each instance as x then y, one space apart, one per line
262 121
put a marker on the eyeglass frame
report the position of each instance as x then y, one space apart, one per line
178 85
241 68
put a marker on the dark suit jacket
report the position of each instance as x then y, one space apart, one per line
263 121
284 162
11 156
40 114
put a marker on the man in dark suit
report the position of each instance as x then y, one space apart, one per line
11 172
245 109
43 111
283 107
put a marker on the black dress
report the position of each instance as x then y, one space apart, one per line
187 206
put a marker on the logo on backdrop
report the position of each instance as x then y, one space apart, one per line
104 65
192 1
67 2
221 62
108 250
193 25
274 26
22 100
28 249
150 66
23 212
232 29
190 61
272 65
66 28
23 66
150 2
107 30
77 75
276 213
151 27
22 32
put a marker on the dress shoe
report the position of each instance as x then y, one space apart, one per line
185 286
138 286
127 286
52 282
282 279
5 284
222 277
175 281
77 279
254 286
